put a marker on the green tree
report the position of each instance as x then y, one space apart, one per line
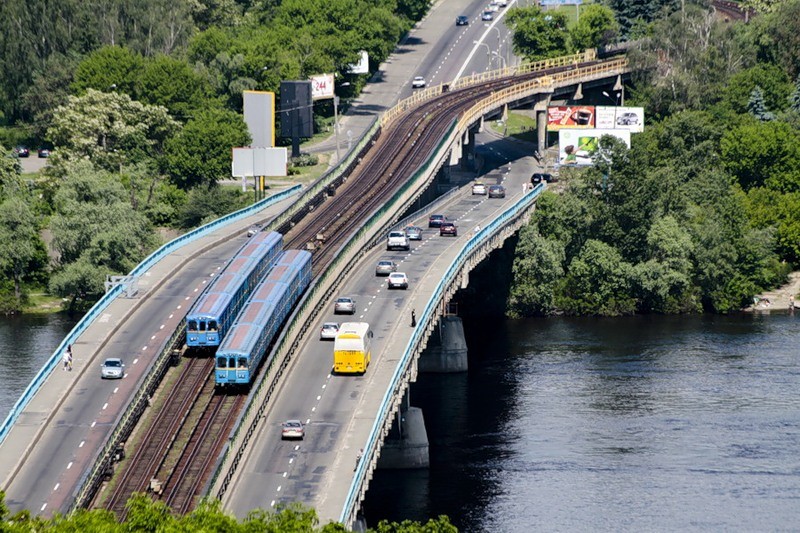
763 154
794 98
111 68
769 79
758 107
630 12
172 84
538 267
110 129
205 204
23 255
537 35
596 27
200 154
777 35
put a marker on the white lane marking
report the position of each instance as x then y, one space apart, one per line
162 327
115 390
285 474
375 295
291 460
172 315
153 337
197 289
56 487
272 503
313 409
135 361
279 488
369 303
104 406
187 298
43 506
319 397
179 307
94 423
362 316
81 444
324 385
308 421
69 465
297 447
144 348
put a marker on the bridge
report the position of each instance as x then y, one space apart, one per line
143 325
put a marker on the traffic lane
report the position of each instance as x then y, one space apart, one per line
84 421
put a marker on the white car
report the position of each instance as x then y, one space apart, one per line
397 240
418 82
292 429
478 188
112 368
328 331
397 280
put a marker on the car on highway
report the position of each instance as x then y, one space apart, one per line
487 15
497 191
539 177
478 188
344 306
255 228
418 82
43 152
112 368
397 280
292 429
414 233
385 267
21 151
434 221
448 228
397 240
328 331
462 20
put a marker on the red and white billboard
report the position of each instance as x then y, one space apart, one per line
573 116
321 86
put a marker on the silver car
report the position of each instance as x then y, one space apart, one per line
329 331
344 305
385 267
414 233
112 368
397 280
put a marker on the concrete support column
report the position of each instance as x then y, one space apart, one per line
541 130
406 445
447 348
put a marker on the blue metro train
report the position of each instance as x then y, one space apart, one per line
242 350
212 314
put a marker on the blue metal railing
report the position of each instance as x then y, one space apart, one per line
109 297
431 308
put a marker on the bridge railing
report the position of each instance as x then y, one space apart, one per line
398 383
525 68
103 303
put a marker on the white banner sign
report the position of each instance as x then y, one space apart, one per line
321 86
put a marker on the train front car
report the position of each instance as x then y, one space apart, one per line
212 315
253 331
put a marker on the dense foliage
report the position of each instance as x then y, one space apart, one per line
145 514
702 212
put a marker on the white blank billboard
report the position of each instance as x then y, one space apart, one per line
248 162
259 115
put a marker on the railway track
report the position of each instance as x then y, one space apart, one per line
731 10
395 155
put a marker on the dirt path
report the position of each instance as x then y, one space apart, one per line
780 298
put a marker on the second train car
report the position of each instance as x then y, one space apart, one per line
243 349
212 314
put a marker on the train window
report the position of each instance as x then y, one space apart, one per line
192 325
212 325
222 362
243 362
201 326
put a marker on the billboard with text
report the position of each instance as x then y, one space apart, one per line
576 147
321 86
570 116
624 118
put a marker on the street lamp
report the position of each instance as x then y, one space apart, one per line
499 37
615 100
488 50
501 58
336 117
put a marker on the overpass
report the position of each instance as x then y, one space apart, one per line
40 430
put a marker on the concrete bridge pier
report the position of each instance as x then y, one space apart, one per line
406 445
447 348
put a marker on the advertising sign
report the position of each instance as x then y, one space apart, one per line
321 86
560 2
576 116
362 67
576 147
259 115
249 162
621 118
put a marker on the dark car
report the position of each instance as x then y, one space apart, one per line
44 152
539 177
497 191
448 228
435 221
487 15
462 20
21 151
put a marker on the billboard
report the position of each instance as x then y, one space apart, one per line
576 147
321 86
249 162
572 116
362 67
624 118
560 2
297 113
259 115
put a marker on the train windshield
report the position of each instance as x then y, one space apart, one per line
192 325
222 362
243 362
212 325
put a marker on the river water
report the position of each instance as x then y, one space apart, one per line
626 424
26 342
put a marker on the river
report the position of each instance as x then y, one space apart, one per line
26 342
626 424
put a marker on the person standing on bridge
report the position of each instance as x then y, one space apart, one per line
67 358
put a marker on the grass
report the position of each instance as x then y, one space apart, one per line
517 125
43 303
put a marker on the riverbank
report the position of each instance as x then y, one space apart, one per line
780 299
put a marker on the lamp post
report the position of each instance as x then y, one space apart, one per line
501 58
499 38
488 50
336 118
615 100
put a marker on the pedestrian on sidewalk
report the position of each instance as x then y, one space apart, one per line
67 358
413 318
